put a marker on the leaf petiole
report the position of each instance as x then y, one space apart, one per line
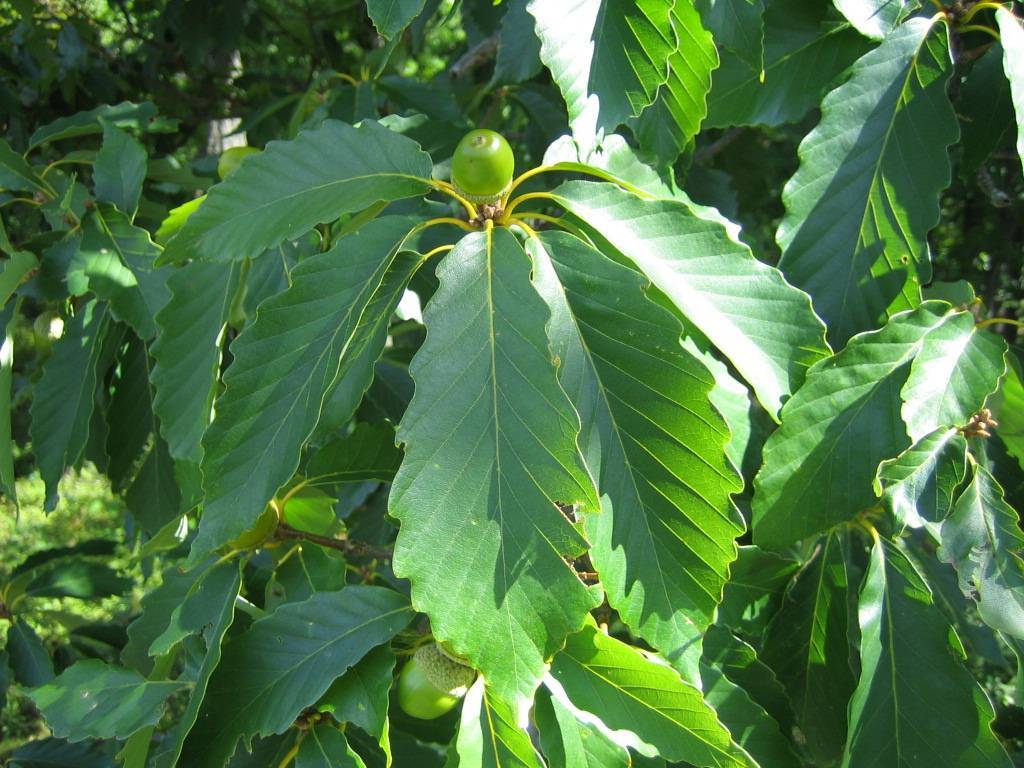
441 220
448 189
507 215
558 221
26 200
1000 321
979 28
291 753
434 251
522 225
573 168
975 9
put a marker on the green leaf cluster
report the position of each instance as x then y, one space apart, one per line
693 455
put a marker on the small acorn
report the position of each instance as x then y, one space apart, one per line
432 682
482 166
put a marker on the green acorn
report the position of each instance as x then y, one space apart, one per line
431 683
482 166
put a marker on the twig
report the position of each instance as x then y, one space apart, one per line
479 54
128 20
342 544
997 197
706 153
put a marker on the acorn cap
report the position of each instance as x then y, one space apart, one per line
482 199
443 672
447 651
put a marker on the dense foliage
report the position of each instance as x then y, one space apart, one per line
698 444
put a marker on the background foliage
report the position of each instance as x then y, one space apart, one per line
715 463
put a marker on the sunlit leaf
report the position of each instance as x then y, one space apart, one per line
608 58
875 18
854 234
983 541
1011 30
668 126
629 691
916 704
568 742
294 185
392 16
956 370
91 698
819 467
664 539
176 219
807 47
120 169
490 453
64 397
303 343
713 280
489 734
285 662
115 260
919 485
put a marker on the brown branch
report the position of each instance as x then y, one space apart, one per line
706 153
997 197
479 54
341 544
